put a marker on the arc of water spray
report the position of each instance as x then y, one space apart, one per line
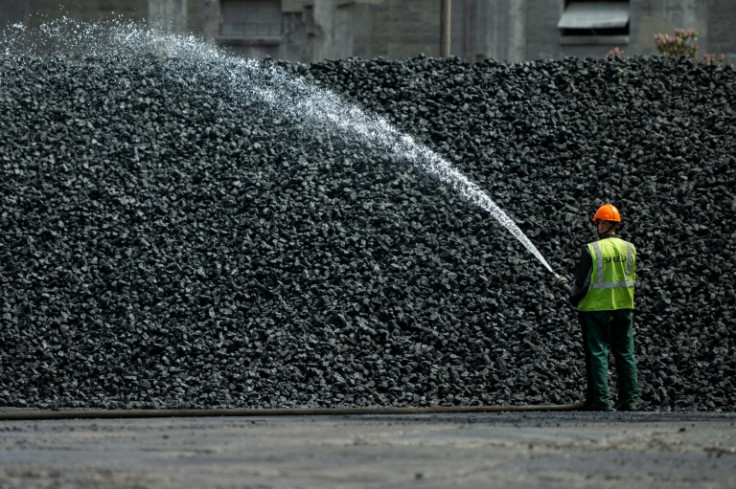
292 96
326 107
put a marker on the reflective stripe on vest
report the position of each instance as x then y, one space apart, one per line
601 282
612 277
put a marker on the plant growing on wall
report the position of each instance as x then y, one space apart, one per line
711 58
682 44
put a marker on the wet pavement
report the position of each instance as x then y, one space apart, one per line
505 450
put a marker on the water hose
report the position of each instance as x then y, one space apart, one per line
49 414
564 282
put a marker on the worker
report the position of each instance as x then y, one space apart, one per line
603 292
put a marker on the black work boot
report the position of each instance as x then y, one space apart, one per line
626 406
597 406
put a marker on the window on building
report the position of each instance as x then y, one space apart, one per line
596 21
252 20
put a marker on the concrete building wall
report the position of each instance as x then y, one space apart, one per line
528 29
86 10
331 29
721 29
411 27
11 12
169 15
505 25
650 17
543 37
507 30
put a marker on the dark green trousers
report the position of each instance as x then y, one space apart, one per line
604 333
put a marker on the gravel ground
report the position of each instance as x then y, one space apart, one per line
508 450
183 229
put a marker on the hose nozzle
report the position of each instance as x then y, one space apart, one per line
564 282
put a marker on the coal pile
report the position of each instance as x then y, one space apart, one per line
173 239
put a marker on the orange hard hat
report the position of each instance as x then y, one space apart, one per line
607 212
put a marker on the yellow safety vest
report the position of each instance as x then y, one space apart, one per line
612 276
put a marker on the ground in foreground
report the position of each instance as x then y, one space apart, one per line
519 450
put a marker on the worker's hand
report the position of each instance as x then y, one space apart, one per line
564 283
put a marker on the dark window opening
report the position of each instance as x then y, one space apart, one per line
619 31
594 18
